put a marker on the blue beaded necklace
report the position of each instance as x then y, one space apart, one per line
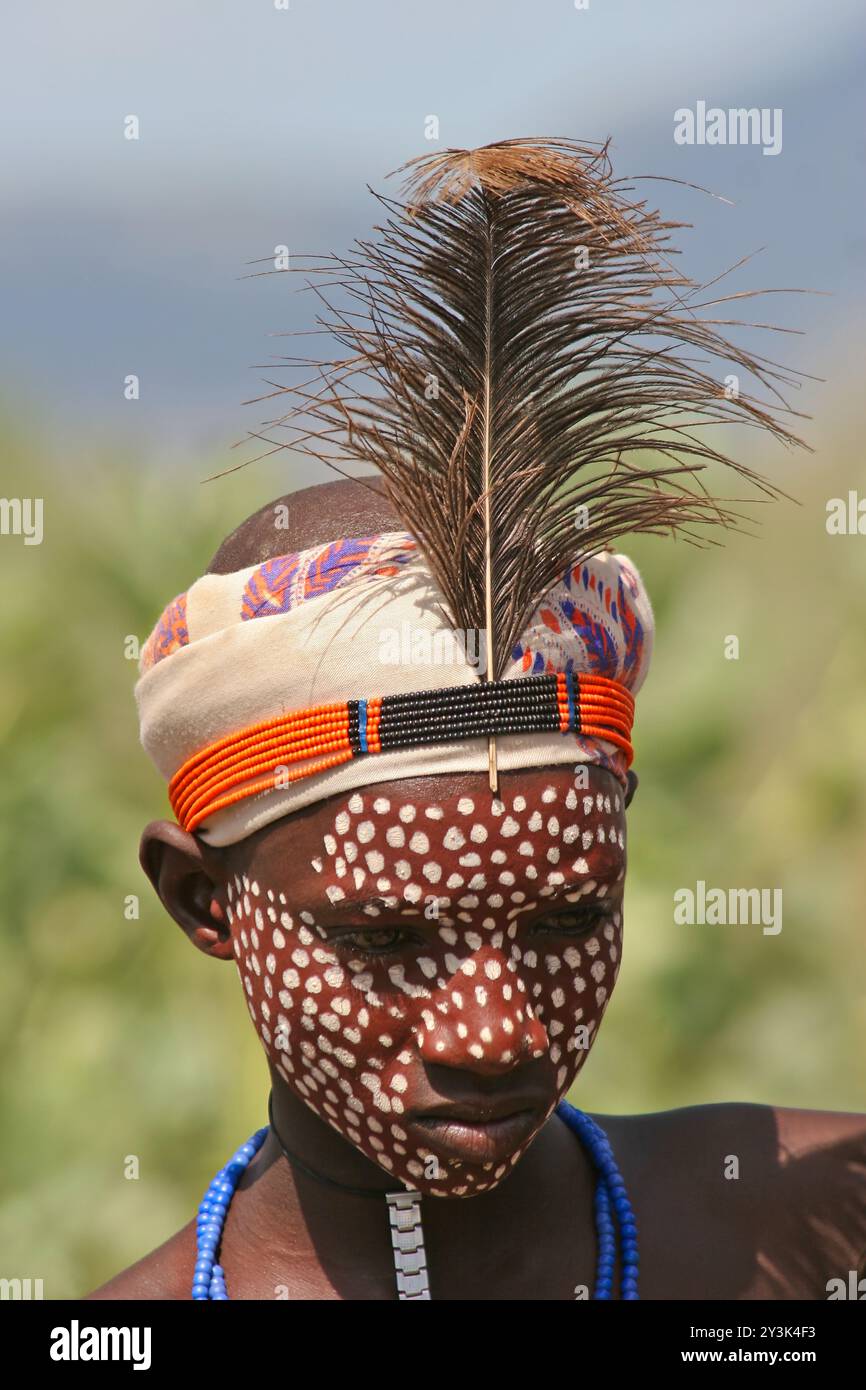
613 1213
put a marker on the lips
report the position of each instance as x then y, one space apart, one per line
476 1135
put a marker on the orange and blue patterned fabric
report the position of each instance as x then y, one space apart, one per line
610 633
279 585
170 633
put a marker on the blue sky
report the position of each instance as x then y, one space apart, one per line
262 126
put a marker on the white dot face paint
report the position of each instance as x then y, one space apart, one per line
416 958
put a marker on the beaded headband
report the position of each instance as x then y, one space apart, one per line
250 720
323 736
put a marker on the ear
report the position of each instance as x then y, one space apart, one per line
189 884
632 787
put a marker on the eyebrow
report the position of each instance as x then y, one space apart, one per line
334 911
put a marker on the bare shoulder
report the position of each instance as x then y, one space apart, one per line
767 1131
163 1274
778 1193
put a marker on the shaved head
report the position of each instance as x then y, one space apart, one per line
316 515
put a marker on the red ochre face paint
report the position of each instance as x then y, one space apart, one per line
450 952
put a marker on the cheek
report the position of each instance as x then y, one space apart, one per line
574 993
295 985
321 1023
262 939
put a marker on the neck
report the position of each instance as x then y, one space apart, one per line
320 1149
299 1226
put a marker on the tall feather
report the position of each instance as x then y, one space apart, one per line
527 372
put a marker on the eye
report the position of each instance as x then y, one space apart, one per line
580 922
374 941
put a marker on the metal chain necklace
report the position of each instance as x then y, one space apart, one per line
614 1217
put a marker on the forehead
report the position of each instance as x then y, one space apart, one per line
446 834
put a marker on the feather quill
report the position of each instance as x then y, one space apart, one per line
528 373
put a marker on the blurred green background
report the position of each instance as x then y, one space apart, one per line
120 1039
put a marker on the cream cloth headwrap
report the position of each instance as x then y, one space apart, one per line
357 618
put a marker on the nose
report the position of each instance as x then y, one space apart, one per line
482 1020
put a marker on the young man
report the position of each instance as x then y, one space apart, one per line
426 964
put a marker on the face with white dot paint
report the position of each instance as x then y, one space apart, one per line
426 966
